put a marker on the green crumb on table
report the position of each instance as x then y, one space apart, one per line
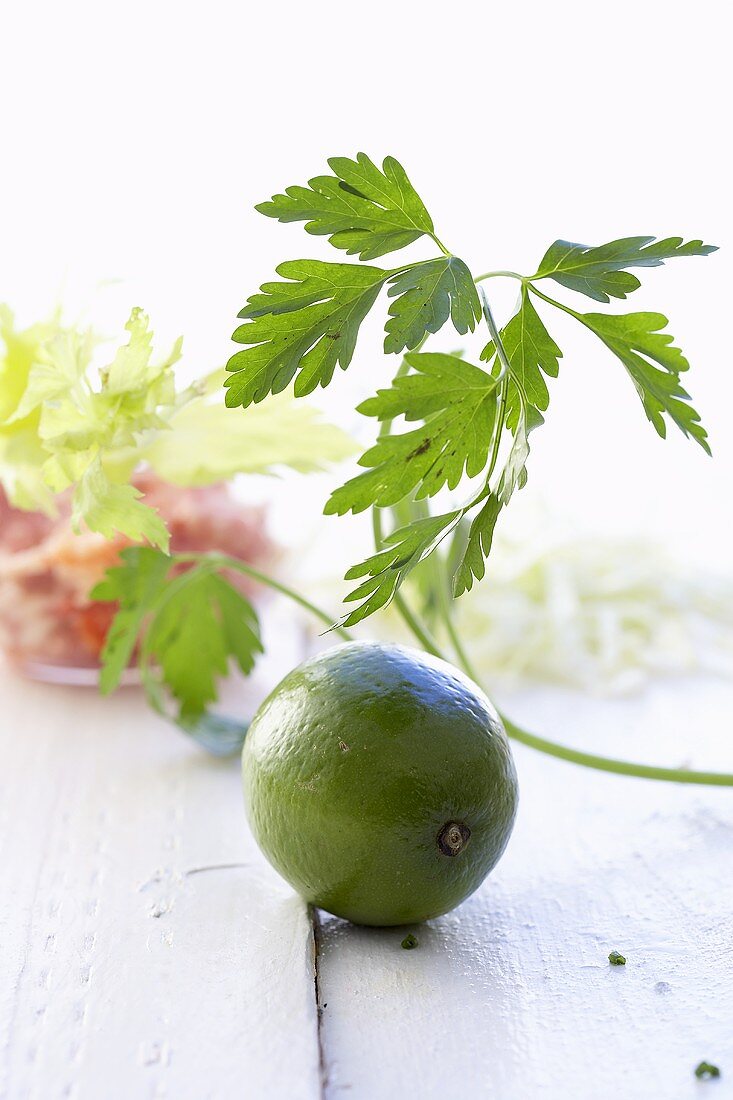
409 942
617 959
705 1071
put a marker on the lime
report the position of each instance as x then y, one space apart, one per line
379 782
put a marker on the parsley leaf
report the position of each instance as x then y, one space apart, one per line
458 403
636 340
189 625
481 532
135 585
514 474
201 624
520 352
361 209
617 959
308 324
531 351
425 296
467 418
599 272
386 570
478 546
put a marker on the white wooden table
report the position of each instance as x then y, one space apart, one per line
147 949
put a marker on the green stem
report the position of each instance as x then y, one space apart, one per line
440 245
417 628
586 759
553 302
499 427
501 404
619 767
500 349
223 561
446 614
499 275
551 748
540 744
420 632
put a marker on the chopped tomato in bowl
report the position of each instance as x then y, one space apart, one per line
49 627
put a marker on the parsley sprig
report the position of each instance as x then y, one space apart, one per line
187 621
460 417
466 427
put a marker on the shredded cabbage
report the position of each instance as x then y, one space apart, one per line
600 614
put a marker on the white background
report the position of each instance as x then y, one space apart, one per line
136 139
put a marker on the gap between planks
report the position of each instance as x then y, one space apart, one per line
315 919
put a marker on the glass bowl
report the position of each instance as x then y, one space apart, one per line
49 628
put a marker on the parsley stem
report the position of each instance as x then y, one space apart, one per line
223 561
558 305
540 744
418 629
440 245
619 767
587 759
446 613
552 748
498 428
421 632
500 350
499 275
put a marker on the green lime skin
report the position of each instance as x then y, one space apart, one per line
379 782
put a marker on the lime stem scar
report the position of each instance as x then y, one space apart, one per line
453 837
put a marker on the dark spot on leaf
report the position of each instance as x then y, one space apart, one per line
420 450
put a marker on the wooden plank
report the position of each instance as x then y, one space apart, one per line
511 996
146 948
